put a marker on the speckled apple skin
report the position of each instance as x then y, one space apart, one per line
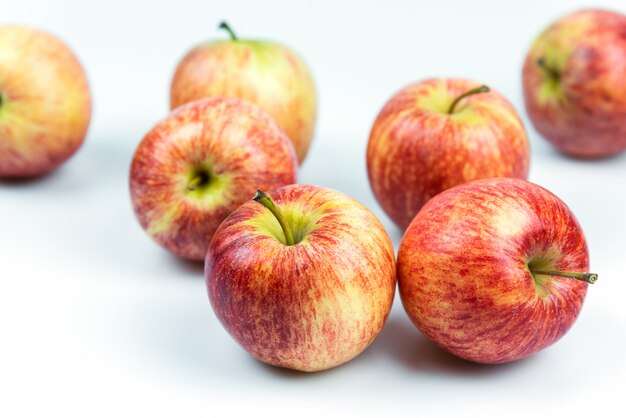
266 73
309 306
463 270
243 146
584 116
45 102
416 150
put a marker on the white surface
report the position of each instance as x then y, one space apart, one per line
96 320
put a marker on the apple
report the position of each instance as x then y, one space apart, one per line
574 84
45 103
436 134
266 73
201 162
493 270
302 278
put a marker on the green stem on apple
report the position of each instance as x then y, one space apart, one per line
267 201
198 180
226 26
477 90
590 278
552 73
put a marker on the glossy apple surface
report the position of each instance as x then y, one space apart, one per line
45 103
574 84
201 162
471 270
308 306
418 148
263 72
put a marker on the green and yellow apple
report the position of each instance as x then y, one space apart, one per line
263 72
494 270
196 166
574 83
303 278
436 134
45 103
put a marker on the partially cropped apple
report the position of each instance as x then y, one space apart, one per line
574 83
266 73
45 103
494 270
196 166
436 134
302 278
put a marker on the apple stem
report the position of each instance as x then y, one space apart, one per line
552 73
479 89
226 26
590 278
267 201
197 181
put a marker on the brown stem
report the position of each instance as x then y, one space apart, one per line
477 90
590 278
267 201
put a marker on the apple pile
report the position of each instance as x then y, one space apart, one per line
491 268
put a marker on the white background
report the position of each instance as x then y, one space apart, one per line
97 320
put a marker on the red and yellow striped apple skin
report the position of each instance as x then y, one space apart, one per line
584 116
416 150
265 73
240 143
463 270
45 104
309 306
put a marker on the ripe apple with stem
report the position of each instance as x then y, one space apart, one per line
45 102
302 277
263 72
574 84
436 134
494 270
201 162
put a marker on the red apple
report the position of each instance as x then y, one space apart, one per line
266 73
437 134
574 83
306 282
196 166
45 104
492 270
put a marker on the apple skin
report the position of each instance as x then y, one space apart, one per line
233 142
266 73
582 110
309 306
417 150
463 270
45 102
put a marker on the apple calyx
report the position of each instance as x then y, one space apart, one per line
550 71
590 278
267 201
227 28
477 90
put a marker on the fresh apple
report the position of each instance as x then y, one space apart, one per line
45 103
494 270
436 134
196 166
266 73
574 83
303 278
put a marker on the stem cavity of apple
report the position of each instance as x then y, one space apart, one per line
199 180
267 201
552 73
227 28
477 90
590 278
